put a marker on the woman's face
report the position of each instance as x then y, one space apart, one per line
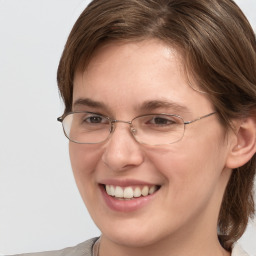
125 80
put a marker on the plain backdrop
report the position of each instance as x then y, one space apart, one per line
40 207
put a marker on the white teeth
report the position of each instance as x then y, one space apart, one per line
137 192
152 190
145 191
129 192
108 189
119 192
112 191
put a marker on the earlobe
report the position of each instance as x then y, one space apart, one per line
243 144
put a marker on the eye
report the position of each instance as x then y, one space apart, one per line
94 119
163 120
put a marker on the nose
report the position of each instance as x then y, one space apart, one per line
122 151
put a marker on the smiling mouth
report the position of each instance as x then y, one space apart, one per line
130 192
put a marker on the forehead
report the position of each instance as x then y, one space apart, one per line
140 51
124 74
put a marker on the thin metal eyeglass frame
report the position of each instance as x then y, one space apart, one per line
113 121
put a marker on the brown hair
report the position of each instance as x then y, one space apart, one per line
219 49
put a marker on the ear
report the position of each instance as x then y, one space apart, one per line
243 143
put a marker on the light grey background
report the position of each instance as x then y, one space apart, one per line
40 207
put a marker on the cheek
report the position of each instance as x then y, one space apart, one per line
192 168
84 159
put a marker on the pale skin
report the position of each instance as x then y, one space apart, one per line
181 218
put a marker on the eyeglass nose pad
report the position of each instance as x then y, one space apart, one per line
133 130
111 128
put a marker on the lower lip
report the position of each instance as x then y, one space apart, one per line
126 205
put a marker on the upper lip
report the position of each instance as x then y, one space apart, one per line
125 182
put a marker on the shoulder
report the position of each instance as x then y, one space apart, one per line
238 251
82 249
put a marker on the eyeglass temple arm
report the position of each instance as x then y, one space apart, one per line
199 118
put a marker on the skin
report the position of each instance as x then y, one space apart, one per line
181 219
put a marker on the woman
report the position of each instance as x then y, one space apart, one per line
160 111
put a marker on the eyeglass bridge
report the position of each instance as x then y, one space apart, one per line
112 127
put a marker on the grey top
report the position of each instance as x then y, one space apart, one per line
84 249
90 247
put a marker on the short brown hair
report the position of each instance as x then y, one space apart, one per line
219 49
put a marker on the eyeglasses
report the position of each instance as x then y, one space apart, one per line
152 129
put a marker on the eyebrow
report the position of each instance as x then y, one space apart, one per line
147 106
89 103
152 105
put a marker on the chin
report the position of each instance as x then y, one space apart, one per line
131 239
133 234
